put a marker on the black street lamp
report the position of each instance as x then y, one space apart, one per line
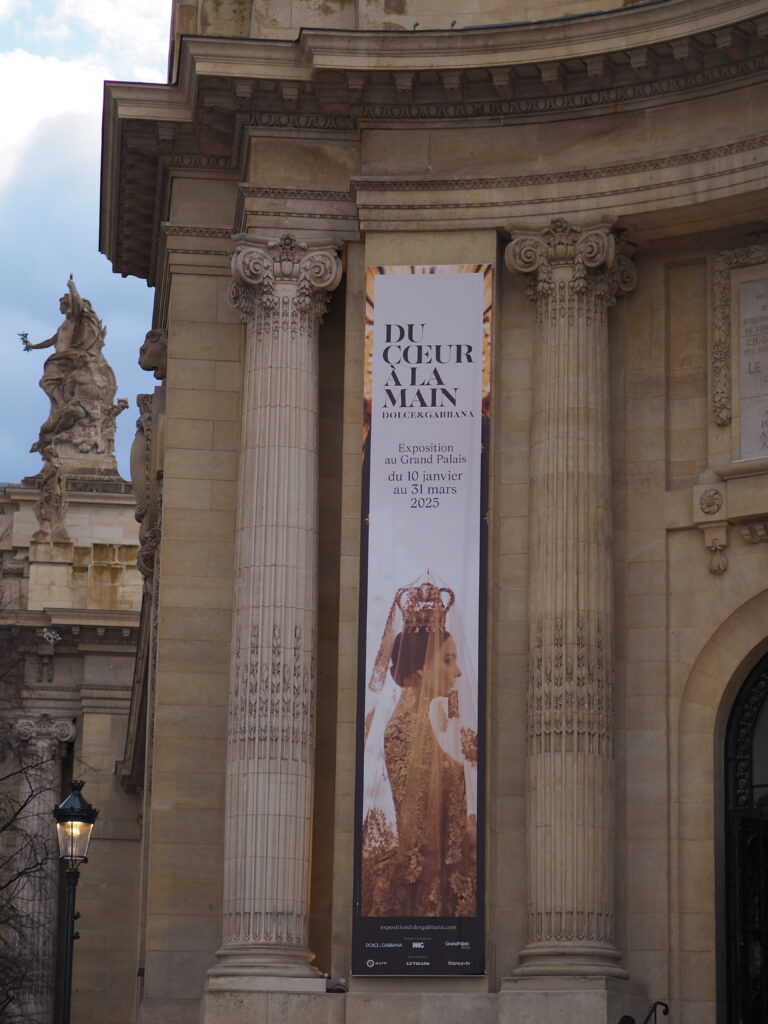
74 824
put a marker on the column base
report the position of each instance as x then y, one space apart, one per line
570 959
570 1000
265 984
264 968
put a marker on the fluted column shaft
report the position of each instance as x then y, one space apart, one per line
575 276
40 752
281 287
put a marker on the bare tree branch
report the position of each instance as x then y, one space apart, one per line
26 841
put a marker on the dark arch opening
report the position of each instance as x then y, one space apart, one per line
746 851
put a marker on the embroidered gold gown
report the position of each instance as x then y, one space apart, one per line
429 868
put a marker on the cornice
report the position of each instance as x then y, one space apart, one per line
307 121
75 631
320 195
144 101
621 169
211 56
190 231
578 102
334 83
19 493
67 617
711 179
526 42
630 47
271 209
196 162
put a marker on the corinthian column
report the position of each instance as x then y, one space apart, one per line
281 287
575 275
40 748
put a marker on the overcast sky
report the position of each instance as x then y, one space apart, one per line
54 58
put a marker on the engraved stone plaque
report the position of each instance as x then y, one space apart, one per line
753 351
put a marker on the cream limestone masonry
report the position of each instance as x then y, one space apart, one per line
73 605
433 145
278 19
642 320
508 639
281 19
183 836
349 577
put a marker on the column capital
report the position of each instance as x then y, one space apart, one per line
44 727
260 266
45 732
593 255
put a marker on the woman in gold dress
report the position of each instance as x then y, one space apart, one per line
420 824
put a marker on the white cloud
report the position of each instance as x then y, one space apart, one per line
12 7
37 88
129 37
54 57
40 79
49 229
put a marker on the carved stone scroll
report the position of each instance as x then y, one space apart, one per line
281 287
575 274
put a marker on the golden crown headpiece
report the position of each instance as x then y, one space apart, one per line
425 607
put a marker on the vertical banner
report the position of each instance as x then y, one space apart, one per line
418 904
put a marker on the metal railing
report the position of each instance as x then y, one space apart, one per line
653 1009
651 1015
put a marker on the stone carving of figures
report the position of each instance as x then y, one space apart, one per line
79 383
153 354
51 505
146 471
146 488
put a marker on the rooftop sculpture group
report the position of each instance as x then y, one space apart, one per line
78 437
79 382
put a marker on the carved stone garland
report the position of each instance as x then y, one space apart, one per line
281 287
41 741
575 275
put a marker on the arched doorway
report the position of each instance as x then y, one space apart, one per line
746 851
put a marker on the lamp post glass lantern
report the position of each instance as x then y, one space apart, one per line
74 823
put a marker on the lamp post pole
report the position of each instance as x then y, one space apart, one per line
72 875
74 823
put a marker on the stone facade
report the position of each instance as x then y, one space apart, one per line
611 166
70 595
